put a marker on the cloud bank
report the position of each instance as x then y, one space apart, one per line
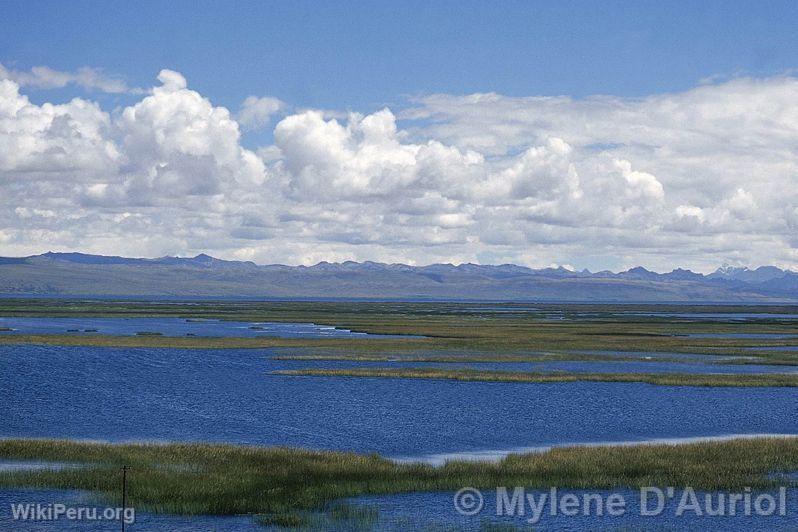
692 179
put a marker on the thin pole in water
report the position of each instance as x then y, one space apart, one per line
124 495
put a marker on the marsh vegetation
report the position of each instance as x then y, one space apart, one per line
281 484
464 374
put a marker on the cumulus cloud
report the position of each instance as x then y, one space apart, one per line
42 77
713 168
178 144
365 157
70 138
641 184
171 162
690 179
256 113
544 172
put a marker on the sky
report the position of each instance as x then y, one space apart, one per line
600 135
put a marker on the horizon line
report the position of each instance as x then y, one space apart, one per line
554 266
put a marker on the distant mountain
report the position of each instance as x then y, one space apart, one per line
82 274
81 258
760 275
640 273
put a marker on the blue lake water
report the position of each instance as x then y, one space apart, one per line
416 511
7 466
147 394
436 511
123 394
174 327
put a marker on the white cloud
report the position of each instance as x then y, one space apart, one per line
641 184
70 138
690 211
42 77
544 172
363 158
690 179
742 203
256 113
178 144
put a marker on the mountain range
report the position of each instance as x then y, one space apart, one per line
73 274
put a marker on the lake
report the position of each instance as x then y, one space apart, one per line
175 327
146 394
436 511
230 395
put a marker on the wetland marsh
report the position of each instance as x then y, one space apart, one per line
484 379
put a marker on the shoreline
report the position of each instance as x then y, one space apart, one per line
497 455
488 456
715 380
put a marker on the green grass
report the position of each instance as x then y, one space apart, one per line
451 329
279 484
459 359
661 379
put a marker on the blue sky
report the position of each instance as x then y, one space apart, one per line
363 55
588 134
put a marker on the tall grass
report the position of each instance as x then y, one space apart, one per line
661 379
279 482
449 328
